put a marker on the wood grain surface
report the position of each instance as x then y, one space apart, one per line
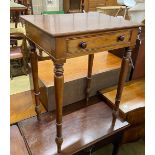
22 106
78 23
17 145
81 129
133 96
76 68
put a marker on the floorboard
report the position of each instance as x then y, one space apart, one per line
22 106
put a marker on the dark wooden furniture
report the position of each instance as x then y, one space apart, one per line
17 145
91 128
132 107
16 11
91 5
73 6
18 53
72 35
28 4
139 57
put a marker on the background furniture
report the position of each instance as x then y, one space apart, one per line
73 6
18 54
113 10
91 5
41 53
15 11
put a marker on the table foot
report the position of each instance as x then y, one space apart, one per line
59 141
38 112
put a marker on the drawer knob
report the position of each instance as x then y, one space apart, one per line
121 38
83 44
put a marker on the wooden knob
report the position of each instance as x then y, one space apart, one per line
83 44
121 38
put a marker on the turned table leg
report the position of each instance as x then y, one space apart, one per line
34 67
89 75
121 82
59 90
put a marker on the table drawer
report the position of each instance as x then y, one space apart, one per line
79 45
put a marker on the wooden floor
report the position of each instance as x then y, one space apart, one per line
133 96
81 129
76 68
22 106
17 144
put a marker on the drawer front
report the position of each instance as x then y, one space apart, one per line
84 44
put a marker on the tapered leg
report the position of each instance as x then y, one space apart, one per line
121 82
89 76
34 67
59 90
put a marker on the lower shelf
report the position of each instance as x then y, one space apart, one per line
81 129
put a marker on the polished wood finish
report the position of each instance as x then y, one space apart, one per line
17 144
89 126
18 52
50 34
132 107
22 106
16 11
100 42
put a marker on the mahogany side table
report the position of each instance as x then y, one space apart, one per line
65 36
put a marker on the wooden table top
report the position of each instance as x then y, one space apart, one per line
81 129
78 23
